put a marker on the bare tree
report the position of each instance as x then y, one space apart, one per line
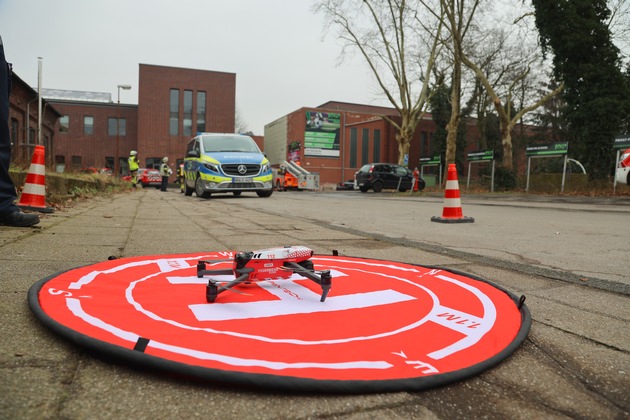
240 124
619 24
399 41
458 19
504 68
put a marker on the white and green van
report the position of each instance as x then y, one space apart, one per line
226 163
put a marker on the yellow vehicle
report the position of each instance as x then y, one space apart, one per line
224 163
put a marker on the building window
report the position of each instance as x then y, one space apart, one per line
377 146
424 144
154 162
353 147
188 112
111 126
76 162
201 112
64 123
173 127
31 136
122 126
14 132
88 125
60 163
365 144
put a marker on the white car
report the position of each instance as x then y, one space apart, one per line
622 175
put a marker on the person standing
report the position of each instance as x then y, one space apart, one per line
134 164
181 178
165 171
10 213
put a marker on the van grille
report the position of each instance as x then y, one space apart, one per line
232 169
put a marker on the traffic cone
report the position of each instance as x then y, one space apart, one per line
34 192
452 212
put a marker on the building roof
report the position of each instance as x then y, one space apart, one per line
76 95
360 108
18 80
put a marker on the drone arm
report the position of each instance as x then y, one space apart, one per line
325 280
201 270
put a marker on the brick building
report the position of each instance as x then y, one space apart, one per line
23 123
87 130
361 136
173 105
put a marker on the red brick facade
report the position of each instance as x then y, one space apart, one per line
147 124
364 138
156 82
76 149
23 101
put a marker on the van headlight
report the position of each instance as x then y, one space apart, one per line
211 167
264 167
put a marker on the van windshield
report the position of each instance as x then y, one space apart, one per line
214 144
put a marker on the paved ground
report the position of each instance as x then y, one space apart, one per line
574 364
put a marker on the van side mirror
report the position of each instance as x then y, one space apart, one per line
193 154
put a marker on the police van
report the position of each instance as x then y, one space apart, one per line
226 163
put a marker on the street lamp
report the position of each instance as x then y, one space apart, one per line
117 158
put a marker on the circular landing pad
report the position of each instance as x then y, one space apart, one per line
385 326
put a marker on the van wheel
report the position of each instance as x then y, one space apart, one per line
264 193
199 190
237 193
188 191
377 187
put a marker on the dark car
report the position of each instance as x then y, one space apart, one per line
379 176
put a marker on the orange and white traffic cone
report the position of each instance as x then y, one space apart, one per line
452 212
34 192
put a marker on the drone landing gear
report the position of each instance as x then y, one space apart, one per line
306 269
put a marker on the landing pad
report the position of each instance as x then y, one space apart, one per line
385 326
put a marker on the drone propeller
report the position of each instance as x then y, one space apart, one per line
302 270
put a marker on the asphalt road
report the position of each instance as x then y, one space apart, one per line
569 257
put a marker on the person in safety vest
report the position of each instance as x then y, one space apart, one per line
181 177
416 177
133 167
165 171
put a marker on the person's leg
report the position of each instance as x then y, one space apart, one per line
10 214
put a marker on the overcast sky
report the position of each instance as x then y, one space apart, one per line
277 49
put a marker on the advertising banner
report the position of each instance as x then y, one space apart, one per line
321 136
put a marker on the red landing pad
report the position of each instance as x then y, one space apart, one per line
385 326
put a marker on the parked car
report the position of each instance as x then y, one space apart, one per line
92 170
379 176
623 169
147 178
348 185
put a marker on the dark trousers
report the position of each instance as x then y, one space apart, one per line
164 183
7 189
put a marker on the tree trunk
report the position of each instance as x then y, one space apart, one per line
453 124
506 142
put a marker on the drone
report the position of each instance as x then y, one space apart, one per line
267 264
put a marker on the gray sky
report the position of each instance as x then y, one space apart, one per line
277 49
